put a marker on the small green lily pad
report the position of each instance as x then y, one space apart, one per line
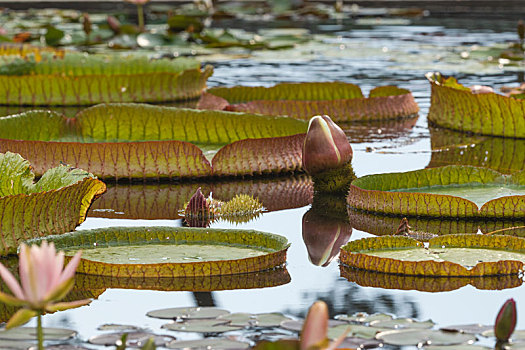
29 333
399 323
297 325
356 330
421 337
208 344
134 339
363 317
15 345
255 320
456 347
474 328
517 335
117 327
202 312
201 326
360 343
60 347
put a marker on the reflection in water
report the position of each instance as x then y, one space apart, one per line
204 298
505 155
326 228
165 201
378 130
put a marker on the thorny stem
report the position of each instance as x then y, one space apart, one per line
40 332
140 14
504 229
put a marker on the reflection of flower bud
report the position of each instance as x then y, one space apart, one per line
324 236
325 146
86 24
506 321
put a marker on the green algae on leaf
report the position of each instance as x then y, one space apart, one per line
390 193
454 106
271 251
78 79
341 101
66 194
448 255
151 142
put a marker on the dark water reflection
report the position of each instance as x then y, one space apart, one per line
405 146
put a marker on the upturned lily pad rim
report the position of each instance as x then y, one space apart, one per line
354 254
275 245
372 193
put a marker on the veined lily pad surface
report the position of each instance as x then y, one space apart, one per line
57 203
456 107
399 193
173 252
151 142
341 101
78 79
450 255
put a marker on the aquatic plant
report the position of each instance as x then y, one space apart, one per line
57 203
342 101
44 282
327 156
505 321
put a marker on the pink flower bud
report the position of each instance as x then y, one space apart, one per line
325 146
197 212
506 321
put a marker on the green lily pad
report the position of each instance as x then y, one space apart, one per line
65 192
474 328
342 101
78 79
395 193
201 326
449 255
454 106
202 312
254 320
297 325
256 251
456 347
133 339
29 333
61 347
208 343
364 317
424 337
117 327
356 330
128 144
399 323
516 335
15 345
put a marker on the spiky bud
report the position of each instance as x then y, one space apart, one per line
505 321
325 146
197 212
404 227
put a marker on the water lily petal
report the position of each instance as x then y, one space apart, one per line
24 268
315 326
71 267
20 317
60 291
67 305
11 300
11 282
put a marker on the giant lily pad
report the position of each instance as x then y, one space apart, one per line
78 79
143 141
427 284
456 107
57 203
429 192
173 252
449 255
342 101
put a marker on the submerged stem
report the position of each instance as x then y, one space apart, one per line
140 14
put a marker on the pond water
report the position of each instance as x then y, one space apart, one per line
370 56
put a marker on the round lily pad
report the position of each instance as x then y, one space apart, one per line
516 335
29 333
399 323
474 328
201 312
201 326
297 325
449 255
117 327
15 345
364 317
255 320
411 193
456 347
133 339
424 337
359 343
208 344
356 330
172 251
61 347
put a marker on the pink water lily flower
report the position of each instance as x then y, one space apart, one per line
43 282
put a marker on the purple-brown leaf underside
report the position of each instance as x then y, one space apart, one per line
260 156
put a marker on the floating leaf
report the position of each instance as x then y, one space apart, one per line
389 193
208 343
427 284
78 79
297 325
15 345
29 333
356 330
456 347
201 326
423 337
449 255
65 192
202 312
117 327
254 320
145 141
474 328
398 323
517 335
360 343
172 251
61 347
341 101
364 317
133 339
456 107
